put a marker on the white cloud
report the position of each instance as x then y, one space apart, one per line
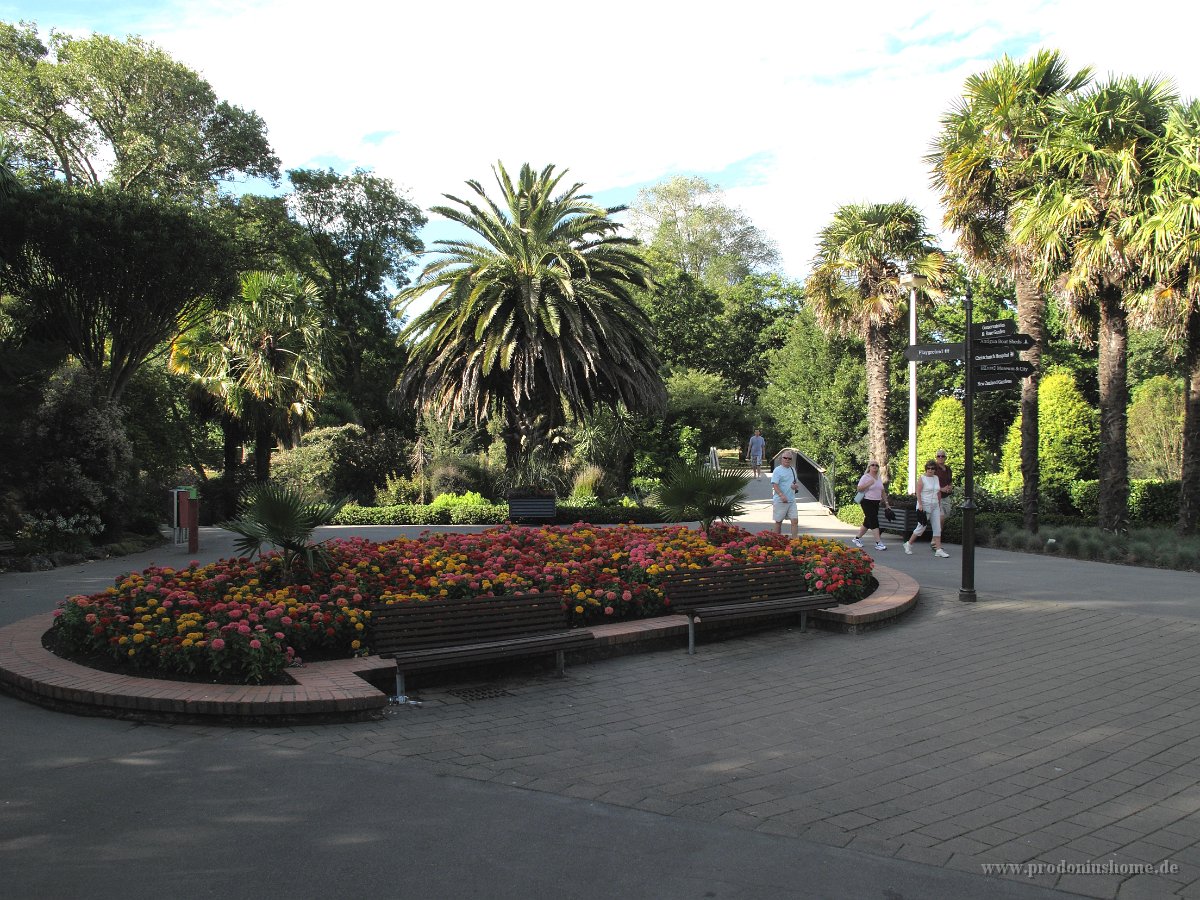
836 103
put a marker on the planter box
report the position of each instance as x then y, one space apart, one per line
906 521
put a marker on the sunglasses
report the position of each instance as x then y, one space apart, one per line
787 459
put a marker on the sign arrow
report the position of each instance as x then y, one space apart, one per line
990 356
996 329
1020 369
1017 341
989 382
933 352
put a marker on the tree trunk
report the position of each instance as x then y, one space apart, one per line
1031 320
877 396
231 434
1189 488
1114 403
263 444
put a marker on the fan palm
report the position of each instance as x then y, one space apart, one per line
536 321
855 288
697 492
1168 239
263 358
1079 222
981 163
284 518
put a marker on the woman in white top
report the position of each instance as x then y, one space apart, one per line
929 494
873 493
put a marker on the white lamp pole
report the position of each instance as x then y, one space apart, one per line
914 283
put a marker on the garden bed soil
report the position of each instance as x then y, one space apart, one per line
104 663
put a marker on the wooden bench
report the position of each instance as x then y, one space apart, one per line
531 509
435 634
753 591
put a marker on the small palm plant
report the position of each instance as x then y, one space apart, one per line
285 518
697 492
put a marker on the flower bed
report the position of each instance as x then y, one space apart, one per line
240 620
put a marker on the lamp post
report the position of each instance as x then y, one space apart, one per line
914 283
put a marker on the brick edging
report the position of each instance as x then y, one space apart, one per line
338 690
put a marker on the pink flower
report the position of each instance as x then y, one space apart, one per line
217 644
256 645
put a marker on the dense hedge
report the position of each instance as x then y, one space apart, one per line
490 514
1150 502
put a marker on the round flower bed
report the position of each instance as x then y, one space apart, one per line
241 620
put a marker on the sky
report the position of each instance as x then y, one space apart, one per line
794 109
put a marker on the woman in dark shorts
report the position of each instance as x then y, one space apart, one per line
874 494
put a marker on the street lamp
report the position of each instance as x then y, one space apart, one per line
914 283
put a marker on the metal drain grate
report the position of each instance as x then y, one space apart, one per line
478 693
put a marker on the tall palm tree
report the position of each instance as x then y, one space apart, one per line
855 289
981 164
536 321
263 358
1168 239
1079 222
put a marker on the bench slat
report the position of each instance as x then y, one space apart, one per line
428 634
741 592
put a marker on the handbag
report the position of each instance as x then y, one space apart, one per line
922 517
889 514
858 497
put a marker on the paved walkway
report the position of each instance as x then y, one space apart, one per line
1053 724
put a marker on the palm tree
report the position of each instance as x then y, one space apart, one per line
1168 239
537 320
1079 222
981 164
855 289
263 357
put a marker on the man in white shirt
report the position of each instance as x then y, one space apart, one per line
783 494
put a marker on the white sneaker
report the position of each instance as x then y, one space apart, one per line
881 546
907 548
942 553
856 542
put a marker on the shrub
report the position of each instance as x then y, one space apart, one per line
1153 502
1068 439
340 461
78 458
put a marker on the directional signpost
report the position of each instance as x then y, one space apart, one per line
992 352
1015 341
998 329
933 352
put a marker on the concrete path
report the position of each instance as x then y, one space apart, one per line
1053 725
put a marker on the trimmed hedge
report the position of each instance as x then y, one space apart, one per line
490 514
1150 502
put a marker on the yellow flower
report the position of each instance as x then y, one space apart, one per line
138 638
579 609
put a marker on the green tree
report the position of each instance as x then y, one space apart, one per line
686 223
1156 429
1169 237
538 320
1080 220
263 358
943 428
361 241
981 165
95 110
113 275
815 395
854 289
1069 431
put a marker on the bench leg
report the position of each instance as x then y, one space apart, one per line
804 621
401 698
691 636
560 659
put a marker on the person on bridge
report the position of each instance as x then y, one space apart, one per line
755 451
874 493
784 487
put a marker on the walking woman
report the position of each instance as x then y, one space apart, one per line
873 493
929 500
